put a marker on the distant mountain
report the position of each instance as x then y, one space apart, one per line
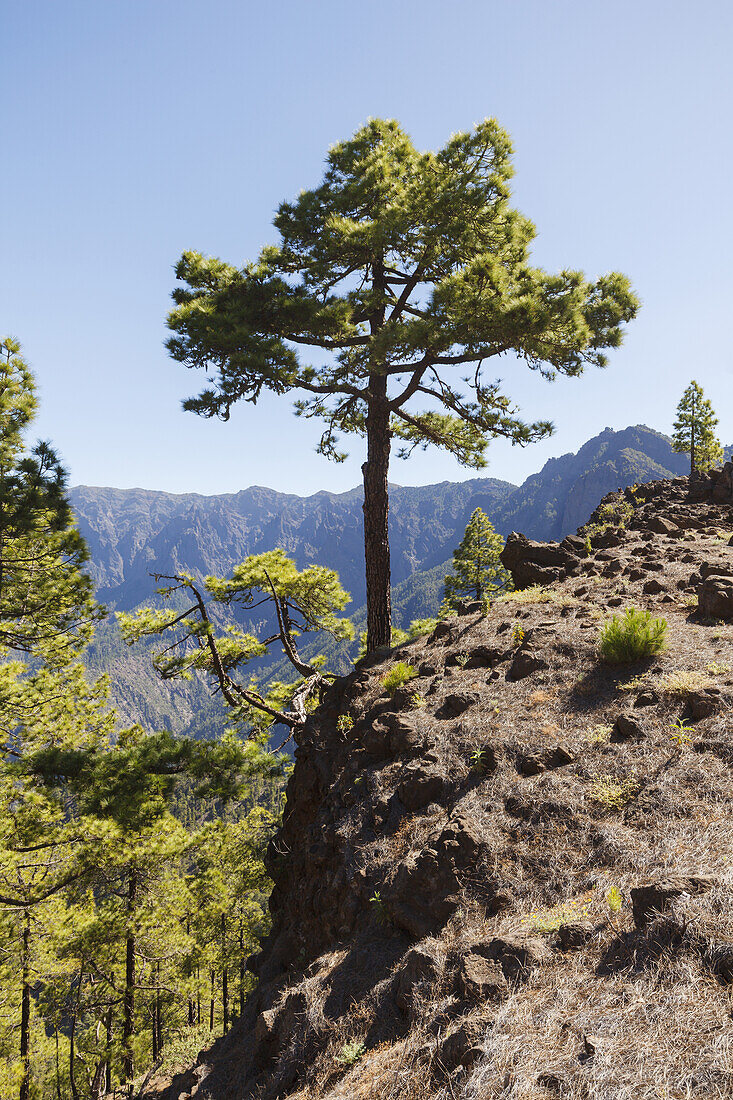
132 533
557 500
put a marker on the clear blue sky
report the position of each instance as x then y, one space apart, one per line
133 131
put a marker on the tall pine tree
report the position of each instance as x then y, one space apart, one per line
395 283
694 430
477 572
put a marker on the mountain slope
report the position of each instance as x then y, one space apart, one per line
134 532
522 886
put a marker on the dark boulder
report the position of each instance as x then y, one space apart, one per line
481 979
457 703
419 970
628 727
715 598
531 562
656 897
419 786
525 663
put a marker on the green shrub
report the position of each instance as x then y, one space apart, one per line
351 1053
400 674
631 636
614 899
612 792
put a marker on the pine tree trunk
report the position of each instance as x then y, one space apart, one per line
241 972
25 1010
58 1065
158 1011
108 1054
692 438
212 977
376 513
128 1018
224 973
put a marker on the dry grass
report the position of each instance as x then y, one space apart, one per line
538 594
683 681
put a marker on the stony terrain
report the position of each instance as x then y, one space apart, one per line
512 878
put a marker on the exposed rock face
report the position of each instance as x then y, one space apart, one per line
543 830
716 598
532 562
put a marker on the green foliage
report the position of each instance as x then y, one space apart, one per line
303 601
614 514
391 276
632 636
351 1053
549 920
612 792
399 675
379 907
679 732
477 572
344 723
614 899
480 759
46 604
517 635
428 243
132 880
694 430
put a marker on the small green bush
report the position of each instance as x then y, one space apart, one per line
400 674
612 792
351 1053
631 636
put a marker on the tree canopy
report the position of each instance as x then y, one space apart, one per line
694 429
477 572
399 272
110 838
301 602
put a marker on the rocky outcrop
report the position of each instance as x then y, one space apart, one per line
525 829
531 562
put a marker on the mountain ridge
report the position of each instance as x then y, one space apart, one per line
132 533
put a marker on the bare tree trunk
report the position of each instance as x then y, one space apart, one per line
224 973
25 1009
158 1012
108 1053
72 1037
58 1064
241 971
376 513
128 1016
212 978
692 437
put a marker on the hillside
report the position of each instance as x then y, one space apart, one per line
511 878
131 532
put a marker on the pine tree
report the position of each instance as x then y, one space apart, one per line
694 430
398 271
477 572
300 602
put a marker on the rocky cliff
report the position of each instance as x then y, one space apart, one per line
511 877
